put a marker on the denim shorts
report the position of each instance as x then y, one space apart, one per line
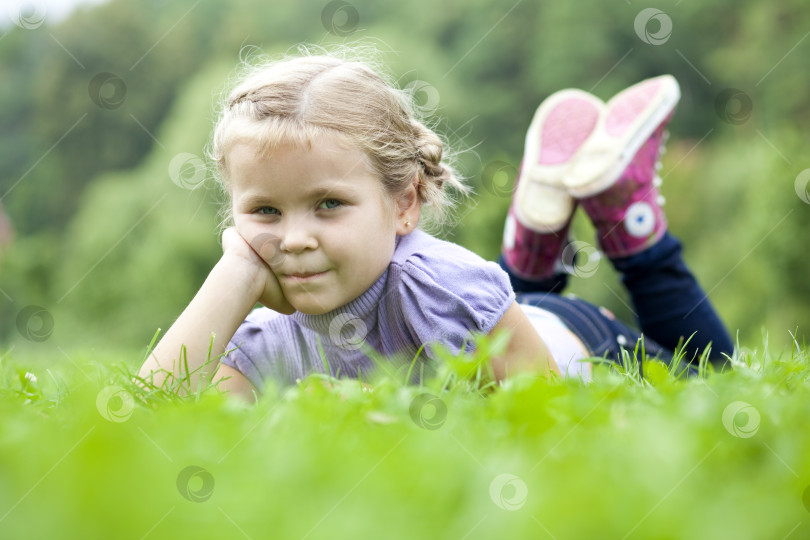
602 334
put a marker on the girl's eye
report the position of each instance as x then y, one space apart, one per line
267 211
330 203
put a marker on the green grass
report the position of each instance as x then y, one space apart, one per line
87 453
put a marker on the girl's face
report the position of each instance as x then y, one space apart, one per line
319 217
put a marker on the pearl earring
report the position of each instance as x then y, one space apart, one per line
407 223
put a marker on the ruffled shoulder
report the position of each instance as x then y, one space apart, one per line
446 291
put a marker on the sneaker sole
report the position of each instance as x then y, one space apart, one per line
541 200
602 161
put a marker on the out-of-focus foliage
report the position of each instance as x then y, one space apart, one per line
94 109
453 457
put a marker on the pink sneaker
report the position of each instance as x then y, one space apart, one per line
615 176
540 215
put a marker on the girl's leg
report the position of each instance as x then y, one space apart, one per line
556 283
539 218
631 228
538 222
670 304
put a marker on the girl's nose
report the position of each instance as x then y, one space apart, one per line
298 235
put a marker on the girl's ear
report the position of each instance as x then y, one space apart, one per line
408 208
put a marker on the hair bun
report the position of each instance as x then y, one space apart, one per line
435 175
429 152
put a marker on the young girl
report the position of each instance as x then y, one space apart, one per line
327 170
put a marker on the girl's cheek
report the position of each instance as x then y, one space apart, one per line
262 236
238 219
246 220
245 228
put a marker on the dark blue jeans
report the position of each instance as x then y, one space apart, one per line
669 303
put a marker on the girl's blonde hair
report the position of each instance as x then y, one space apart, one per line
297 99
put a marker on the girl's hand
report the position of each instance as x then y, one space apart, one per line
258 256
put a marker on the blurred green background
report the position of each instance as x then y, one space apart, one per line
104 117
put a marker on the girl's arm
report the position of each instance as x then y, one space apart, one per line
526 351
218 308
235 384
238 280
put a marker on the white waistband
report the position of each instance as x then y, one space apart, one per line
566 348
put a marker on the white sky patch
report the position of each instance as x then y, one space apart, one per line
34 13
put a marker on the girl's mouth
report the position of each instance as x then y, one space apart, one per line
303 276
